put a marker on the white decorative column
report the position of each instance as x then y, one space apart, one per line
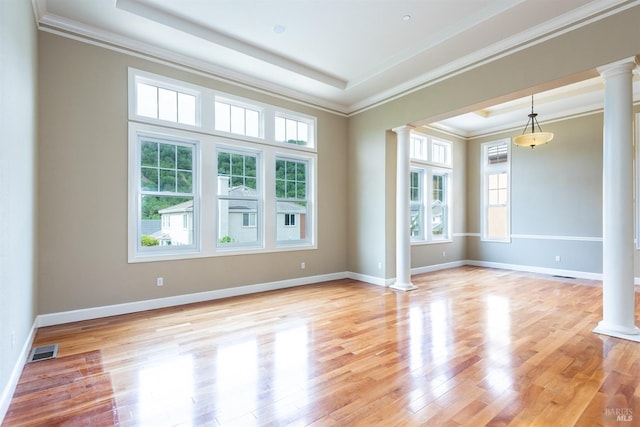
618 302
403 237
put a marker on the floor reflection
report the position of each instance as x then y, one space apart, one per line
291 371
497 338
236 382
166 392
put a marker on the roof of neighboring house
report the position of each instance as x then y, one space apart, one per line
180 207
239 204
150 226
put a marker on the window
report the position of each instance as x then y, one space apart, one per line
429 149
416 205
249 219
439 208
290 220
418 147
165 192
293 130
238 195
291 200
235 118
155 101
496 170
429 189
195 190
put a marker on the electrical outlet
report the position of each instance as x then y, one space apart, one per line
160 281
444 253
303 265
380 266
557 258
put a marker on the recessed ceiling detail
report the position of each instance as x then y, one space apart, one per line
344 56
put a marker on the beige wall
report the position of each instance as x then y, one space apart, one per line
18 135
83 190
567 58
82 182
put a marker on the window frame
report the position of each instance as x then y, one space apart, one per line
427 169
310 191
233 101
258 199
139 76
136 250
208 140
486 170
300 118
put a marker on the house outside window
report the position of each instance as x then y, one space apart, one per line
292 200
496 191
238 195
165 191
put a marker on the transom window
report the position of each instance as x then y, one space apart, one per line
166 104
237 119
429 149
292 131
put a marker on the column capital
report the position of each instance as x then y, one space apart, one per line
623 66
406 129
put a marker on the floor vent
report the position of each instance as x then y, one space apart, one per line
43 353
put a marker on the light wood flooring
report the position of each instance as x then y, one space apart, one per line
471 346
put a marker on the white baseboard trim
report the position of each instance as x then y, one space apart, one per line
10 386
436 267
133 307
533 269
372 280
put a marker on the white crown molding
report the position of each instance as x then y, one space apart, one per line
580 17
74 30
558 26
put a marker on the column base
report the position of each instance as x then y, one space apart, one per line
626 333
403 286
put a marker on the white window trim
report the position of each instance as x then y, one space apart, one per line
299 117
205 199
427 171
205 111
259 243
311 220
485 170
136 252
429 142
429 168
139 76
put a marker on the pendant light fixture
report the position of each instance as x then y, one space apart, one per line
532 138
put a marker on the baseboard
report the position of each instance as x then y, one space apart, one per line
133 307
533 269
378 281
436 267
10 386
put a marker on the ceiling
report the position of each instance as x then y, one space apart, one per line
341 55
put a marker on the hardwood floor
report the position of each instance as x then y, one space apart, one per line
471 346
